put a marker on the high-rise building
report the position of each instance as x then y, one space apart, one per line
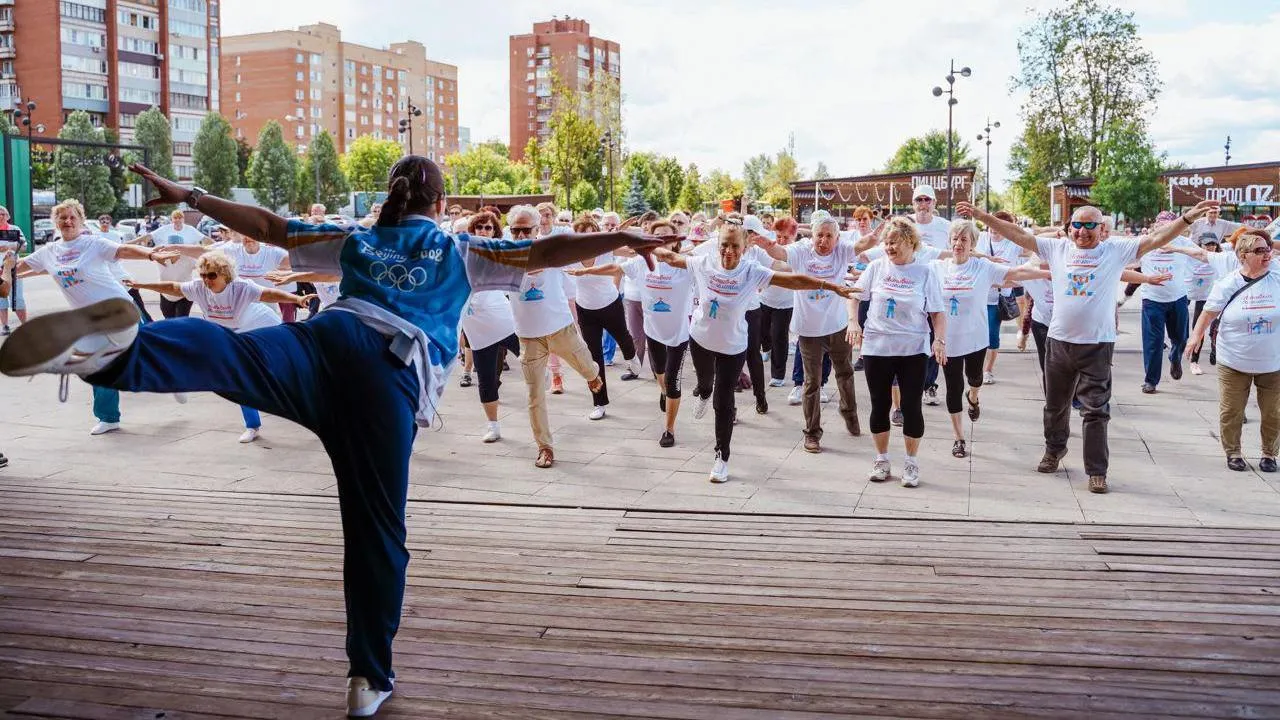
310 80
561 47
113 59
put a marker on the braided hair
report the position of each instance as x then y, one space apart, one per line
415 183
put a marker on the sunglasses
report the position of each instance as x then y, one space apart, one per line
521 230
478 228
1086 225
1263 250
924 199
209 275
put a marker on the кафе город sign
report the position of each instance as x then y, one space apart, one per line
1240 185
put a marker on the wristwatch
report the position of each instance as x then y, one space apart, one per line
193 197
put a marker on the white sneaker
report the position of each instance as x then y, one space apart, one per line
72 342
797 396
910 475
249 435
1122 300
824 395
362 699
931 396
719 471
988 378
102 428
1195 369
764 356
181 398
700 409
777 382
492 433
597 413
880 471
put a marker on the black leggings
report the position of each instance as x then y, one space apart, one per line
718 378
488 365
142 306
775 338
1212 334
1040 333
174 308
593 323
313 307
755 363
667 360
908 370
970 366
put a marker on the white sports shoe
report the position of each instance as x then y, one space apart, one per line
777 382
181 398
988 378
249 435
911 475
1195 369
362 699
72 342
880 471
597 413
492 433
797 395
700 409
824 395
102 428
719 470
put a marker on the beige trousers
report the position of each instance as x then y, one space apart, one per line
1233 392
566 342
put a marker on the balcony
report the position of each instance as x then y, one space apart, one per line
7 52
6 24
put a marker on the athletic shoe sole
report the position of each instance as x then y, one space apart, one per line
46 338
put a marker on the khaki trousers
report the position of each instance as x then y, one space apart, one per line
534 352
1233 391
811 350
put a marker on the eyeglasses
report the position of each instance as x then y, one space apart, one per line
924 199
1260 250
733 221
516 230
478 228
1086 225
209 275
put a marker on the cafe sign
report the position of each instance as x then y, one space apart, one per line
1245 185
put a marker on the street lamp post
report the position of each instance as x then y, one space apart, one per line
315 166
607 147
406 123
25 122
1227 147
951 101
986 135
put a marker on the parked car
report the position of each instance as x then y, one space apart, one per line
42 231
341 220
129 230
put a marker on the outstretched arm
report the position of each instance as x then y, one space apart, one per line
134 252
672 258
612 269
1165 234
1010 231
167 287
1022 272
569 248
798 281
284 277
272 295
775 251
1133 276
248 220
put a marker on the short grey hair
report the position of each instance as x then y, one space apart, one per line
826 220
520 211
611 216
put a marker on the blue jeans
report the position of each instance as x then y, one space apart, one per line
1159 318
106 404
797 369
610 346
252 419
336 377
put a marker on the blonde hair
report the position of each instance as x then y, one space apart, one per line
177 214
547 206
217 261
901 228
71 205
967 228
1246 239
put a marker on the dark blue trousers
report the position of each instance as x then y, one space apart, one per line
336 377
1159 318
797 369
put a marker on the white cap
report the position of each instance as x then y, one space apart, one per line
751 223
925 190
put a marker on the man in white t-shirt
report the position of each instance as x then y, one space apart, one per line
1210 227
177 232
1082 333
934 231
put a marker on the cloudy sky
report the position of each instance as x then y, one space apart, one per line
714 82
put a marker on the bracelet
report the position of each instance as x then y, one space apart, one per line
1183 216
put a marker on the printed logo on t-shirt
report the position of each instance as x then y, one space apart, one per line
955 306
713 308
1258 300
69 278
1078 284
533 294
1260 326
724 285
890 306
661 306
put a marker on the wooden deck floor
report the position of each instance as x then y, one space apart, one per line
119 603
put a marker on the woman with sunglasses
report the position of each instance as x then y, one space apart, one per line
490 327
1246 305
719 342
231 302
362 375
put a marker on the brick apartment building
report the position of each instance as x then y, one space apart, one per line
113 59
561 46
309 79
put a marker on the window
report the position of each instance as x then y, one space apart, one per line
184 101
137 95
349 116
298 76
128 69
401 76
315 93
237 78
84 64
364 69
237 97
364 87
613 60
182 123
315 59
195 6
76 37
351 133
84 91
82 12
182 148
316 112
298 94
185 52
137 45
127 120
133 18
190 77
237 61
183 28
316 76
300 132
299 112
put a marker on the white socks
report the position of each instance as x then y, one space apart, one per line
882 456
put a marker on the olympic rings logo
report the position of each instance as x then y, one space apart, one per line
397 276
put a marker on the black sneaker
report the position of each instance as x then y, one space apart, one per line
465 381
1148 389
1238 464
857 365
1175 371
762 406
667 439
896 417
4 461
1213 355
1267 465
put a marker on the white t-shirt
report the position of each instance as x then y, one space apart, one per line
541 307
724 297
754 253
1249 328
666 294
780 298
327 292
936 233
926 254
81 268
1201 280
116 269
901 297
819 313
1161 261
180 270
255 266
596 292
1201 231
1005 249
1041 294
964 300
1085 283
487 318
237 307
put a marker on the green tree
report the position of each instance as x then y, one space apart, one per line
929 152
783 171
720 185
572 142
273 174
1036 159
690 190
119 177
672 176
634 202
6 125
821 172
754 173
367 162
1086 74
585 195
482 167
80 172
151 130
1128 178
244 154
333 182
214 155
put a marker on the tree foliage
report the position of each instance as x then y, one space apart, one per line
214 155
244 154
585 195
367 162
1128 178
929 152
119 173
151 130
333 182
273 173
690 198
1086 75
1036 159
720 185
482 169
634 203
573 141
821 172
81 172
